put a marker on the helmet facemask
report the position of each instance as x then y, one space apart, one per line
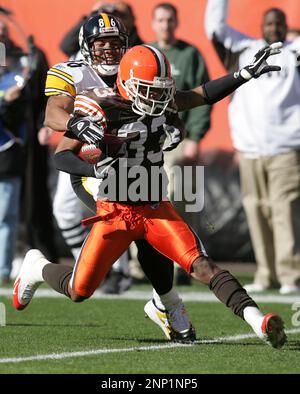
150 97
104 61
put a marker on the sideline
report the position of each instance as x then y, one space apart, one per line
199 296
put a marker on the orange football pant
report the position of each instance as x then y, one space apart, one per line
117 225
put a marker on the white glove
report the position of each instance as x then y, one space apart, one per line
259 65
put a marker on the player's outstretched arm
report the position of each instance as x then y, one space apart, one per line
214 91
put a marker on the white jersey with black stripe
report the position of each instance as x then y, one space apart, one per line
71 78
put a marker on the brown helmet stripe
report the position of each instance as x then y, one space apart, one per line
160 60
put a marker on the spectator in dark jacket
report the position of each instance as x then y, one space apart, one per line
37 210
12 136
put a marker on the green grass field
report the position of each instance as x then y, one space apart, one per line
128 343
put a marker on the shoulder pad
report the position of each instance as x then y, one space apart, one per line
117 110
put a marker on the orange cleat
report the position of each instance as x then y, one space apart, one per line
273 330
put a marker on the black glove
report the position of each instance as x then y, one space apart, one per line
259 65
174 135
85 129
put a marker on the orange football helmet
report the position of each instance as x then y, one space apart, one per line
144 77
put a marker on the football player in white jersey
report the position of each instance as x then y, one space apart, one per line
67 79
103 41
67 208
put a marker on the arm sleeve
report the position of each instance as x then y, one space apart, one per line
69 162
219 88
69 44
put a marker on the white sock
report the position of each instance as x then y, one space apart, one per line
254 317
38 269
166 301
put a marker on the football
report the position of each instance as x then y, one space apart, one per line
90 153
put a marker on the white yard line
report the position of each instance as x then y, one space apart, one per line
60 356
146 295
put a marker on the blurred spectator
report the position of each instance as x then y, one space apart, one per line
37 204
292 34
70 45
36 207
12 50
12 136
125 12
189 70
265 128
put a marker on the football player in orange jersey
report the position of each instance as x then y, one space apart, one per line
145 85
